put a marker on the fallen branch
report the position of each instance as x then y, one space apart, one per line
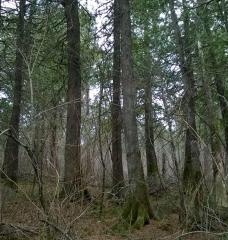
55 227
200 232
16 230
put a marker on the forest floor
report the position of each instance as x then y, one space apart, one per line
84 221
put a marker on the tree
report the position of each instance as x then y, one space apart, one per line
152 167
117 165
10 164
218 79
72 169
211 117
138 209
192 168
211 70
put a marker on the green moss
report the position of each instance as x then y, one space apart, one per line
142 218
135 213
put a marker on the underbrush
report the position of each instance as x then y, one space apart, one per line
22 217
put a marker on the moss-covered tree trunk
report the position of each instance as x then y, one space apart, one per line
137 209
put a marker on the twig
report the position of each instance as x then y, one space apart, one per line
202 4
4 131
57 228
195 232
7 229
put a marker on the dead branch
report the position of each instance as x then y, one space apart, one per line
57 228
16 231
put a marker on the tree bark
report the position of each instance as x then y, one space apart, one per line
138 202
0 12
210 114
54 164
118 179
173 155
218 79
10 164
151 158
152 168
72 171
192 169
102 159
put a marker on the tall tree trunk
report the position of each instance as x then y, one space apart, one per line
152 167
88 169
118 179
151 158
138 209
192 169
72 171
214 71
173 155
218 79
10 164
102 159
210 113
220 86
54 165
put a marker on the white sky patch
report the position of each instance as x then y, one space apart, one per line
91 5
98 8
93 92
2 95
9 5
175 68
178 12
95 9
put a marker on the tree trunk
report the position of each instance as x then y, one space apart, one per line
72 171
215 72
210 115
173 155
151 158
10 164
220 86
102 159
219 81
152 168
192 169
118 180
54 164
137 209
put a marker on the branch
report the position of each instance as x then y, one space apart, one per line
10 229
57 228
